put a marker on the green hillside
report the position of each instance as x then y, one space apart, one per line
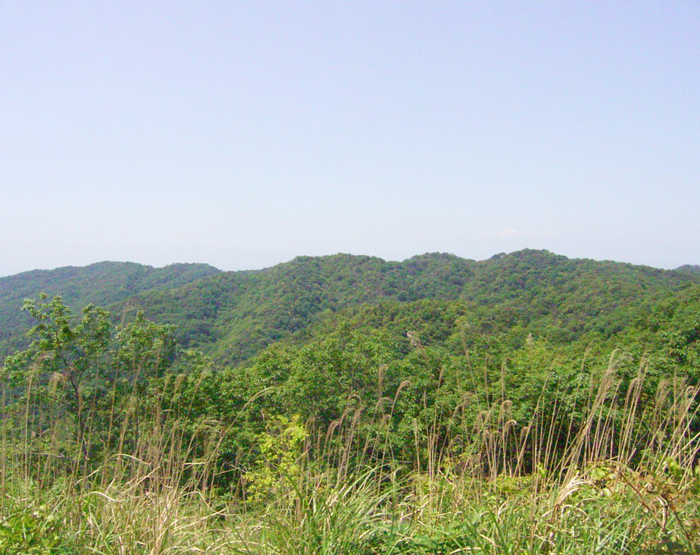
102 284
234 315
528 403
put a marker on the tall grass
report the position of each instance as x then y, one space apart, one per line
615 474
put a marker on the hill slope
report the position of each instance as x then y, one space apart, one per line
235 315
102 284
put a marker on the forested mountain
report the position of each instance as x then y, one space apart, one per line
234 315
429 381
690 268
102 284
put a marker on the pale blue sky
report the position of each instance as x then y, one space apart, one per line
243 134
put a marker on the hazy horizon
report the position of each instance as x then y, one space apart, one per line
244 134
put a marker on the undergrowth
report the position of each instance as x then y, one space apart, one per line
510 488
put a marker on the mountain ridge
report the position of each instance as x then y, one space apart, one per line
235 315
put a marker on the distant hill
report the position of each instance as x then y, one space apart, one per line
235 315
102 284
689 268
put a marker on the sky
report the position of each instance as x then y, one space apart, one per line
242 134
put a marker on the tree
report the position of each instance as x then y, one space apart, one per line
76 377
64 364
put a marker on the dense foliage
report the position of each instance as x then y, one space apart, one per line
101 284
386 395
233 316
